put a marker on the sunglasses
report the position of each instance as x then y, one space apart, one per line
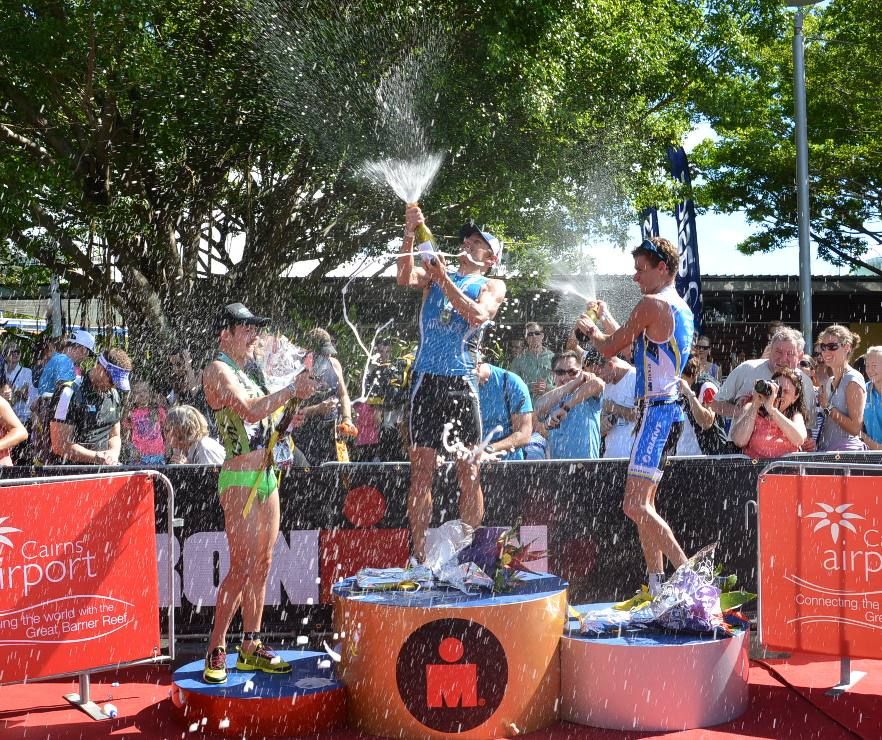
829 346
806 364
650 247
535 333
572 372
702 346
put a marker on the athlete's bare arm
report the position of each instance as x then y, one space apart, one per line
223 390
475 312
646 316
411 275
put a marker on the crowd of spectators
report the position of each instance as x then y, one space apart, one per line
78 405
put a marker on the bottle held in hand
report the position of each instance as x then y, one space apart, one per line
592 313
425 243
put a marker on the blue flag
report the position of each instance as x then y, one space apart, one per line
689 274
649 223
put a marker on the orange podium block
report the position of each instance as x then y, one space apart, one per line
439 663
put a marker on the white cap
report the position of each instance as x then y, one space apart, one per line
83 338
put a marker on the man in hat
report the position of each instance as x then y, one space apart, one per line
245 413
619 413
62 366
85 426
455 308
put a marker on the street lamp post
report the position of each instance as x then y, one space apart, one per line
802 177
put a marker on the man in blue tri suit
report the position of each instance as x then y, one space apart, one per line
444 395
505 402
660 329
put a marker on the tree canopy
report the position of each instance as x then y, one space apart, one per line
752 165
144 142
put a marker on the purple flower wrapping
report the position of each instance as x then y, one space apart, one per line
484 550
689 600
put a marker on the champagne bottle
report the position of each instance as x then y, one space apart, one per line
425 242
582 338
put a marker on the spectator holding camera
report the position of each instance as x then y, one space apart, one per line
772 422
784 352
842 396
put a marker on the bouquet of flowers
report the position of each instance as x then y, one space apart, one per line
279 360
696 598
498 552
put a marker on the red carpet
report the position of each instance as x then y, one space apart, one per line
860 709
790 704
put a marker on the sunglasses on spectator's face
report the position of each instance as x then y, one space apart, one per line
702 346
535 333
572 372
829 346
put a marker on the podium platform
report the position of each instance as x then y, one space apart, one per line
439 663
308 700
652 681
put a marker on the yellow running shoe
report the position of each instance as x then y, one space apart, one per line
637 601
215 666
262 659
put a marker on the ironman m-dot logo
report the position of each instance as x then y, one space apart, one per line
452 674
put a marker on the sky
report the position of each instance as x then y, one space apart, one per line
718 235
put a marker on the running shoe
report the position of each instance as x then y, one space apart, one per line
637 601
216 666
262 659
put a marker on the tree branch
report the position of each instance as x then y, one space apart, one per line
42 154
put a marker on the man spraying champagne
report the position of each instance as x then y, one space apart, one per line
660 327
455 308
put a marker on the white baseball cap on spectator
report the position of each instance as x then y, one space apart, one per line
83 338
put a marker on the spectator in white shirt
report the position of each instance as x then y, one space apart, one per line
619 413
784 351
186 432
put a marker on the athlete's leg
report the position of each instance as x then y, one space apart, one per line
251 541
656 537
471 497
419 502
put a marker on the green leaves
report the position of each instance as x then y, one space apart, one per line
752 166
184 133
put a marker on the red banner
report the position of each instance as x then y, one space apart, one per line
820 552
78 580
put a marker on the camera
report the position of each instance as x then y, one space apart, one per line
764 387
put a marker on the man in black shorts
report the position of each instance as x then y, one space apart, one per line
444 397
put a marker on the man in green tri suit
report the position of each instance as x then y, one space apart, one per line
245 414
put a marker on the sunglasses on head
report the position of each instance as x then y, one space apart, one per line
468 229
829 346
572 372
650 247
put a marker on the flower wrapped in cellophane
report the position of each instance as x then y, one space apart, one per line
505 558
278 359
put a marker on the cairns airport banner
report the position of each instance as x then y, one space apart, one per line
820 548
78 577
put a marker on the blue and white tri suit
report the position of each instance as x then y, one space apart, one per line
445 389
659 367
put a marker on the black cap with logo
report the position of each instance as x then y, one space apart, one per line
236 313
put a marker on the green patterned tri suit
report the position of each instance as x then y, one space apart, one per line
240 437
